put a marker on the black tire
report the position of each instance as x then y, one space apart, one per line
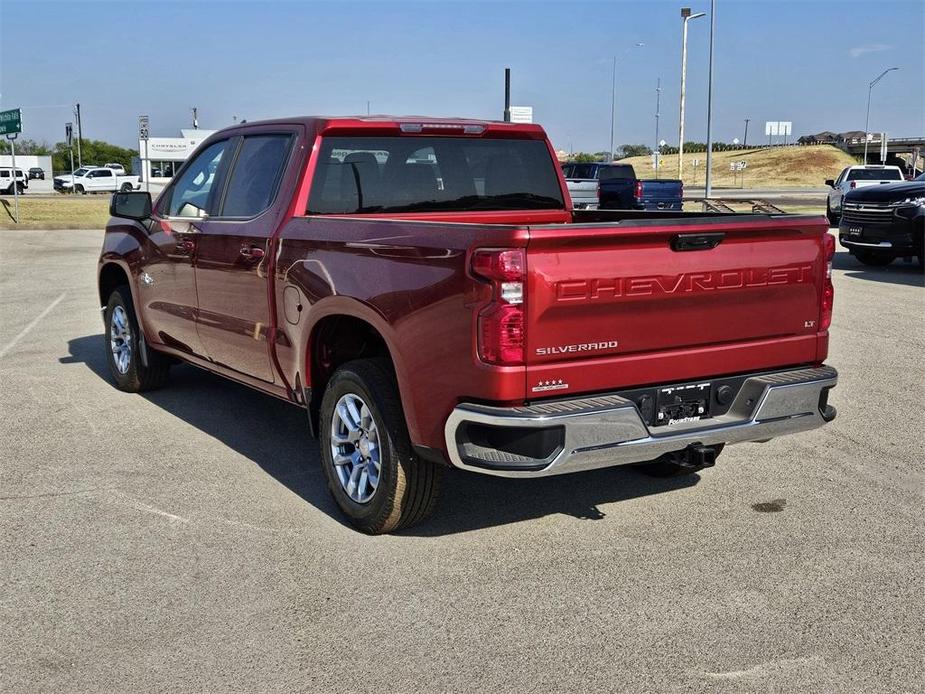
668 465
136 376
834 220
81 190
873 258
21 188
408 486
126 188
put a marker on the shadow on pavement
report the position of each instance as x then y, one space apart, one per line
274 435
897 272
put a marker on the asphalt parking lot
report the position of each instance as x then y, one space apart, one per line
183 540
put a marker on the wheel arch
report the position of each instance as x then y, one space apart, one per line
342 331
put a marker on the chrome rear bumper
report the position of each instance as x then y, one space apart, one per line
608 430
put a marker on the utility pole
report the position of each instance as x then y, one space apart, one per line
709 178
507 95
658 104
745 139
867 121
686 16
79 136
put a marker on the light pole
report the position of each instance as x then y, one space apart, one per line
613 95
745 139
708 186
658 103
685 17
870 88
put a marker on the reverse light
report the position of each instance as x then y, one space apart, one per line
501 323
828 289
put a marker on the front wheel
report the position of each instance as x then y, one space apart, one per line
372 472
124 344
81 190
873 258
126 188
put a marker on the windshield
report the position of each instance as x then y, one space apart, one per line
433 174
874 175
81 172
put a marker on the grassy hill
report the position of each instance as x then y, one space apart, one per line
783 166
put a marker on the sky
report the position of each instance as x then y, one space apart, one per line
806 62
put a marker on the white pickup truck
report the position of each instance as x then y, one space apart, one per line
96 179
853 177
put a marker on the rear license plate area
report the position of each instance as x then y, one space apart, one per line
688 402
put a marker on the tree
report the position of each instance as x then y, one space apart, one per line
93 152
633 151
585 158
25 147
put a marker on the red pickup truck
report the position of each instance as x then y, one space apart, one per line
424 290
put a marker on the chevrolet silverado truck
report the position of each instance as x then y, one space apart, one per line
425 291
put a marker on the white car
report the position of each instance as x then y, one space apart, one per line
7 178
97 179
854 177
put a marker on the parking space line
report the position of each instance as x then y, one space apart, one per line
35 321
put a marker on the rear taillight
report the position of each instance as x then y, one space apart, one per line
501 323
638 192
828 290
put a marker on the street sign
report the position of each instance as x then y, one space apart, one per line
770 127
521 114
69 134
784 127
735 140
10 121
142 127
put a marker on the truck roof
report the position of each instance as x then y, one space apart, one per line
395 125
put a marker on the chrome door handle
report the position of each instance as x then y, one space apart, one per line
252 252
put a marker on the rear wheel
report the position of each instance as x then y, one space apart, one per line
373 474
126 188
124 345
873 258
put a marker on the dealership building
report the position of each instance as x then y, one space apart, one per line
162 157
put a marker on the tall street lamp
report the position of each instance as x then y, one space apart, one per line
613 95
685 17
870 88
708 186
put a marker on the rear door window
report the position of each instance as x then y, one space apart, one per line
256 175
356 175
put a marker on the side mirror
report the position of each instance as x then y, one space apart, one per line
131 205
830 182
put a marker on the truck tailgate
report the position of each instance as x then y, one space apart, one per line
624 304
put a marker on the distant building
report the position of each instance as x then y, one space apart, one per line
162 158
826 137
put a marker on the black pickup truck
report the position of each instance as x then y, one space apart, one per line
882 223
